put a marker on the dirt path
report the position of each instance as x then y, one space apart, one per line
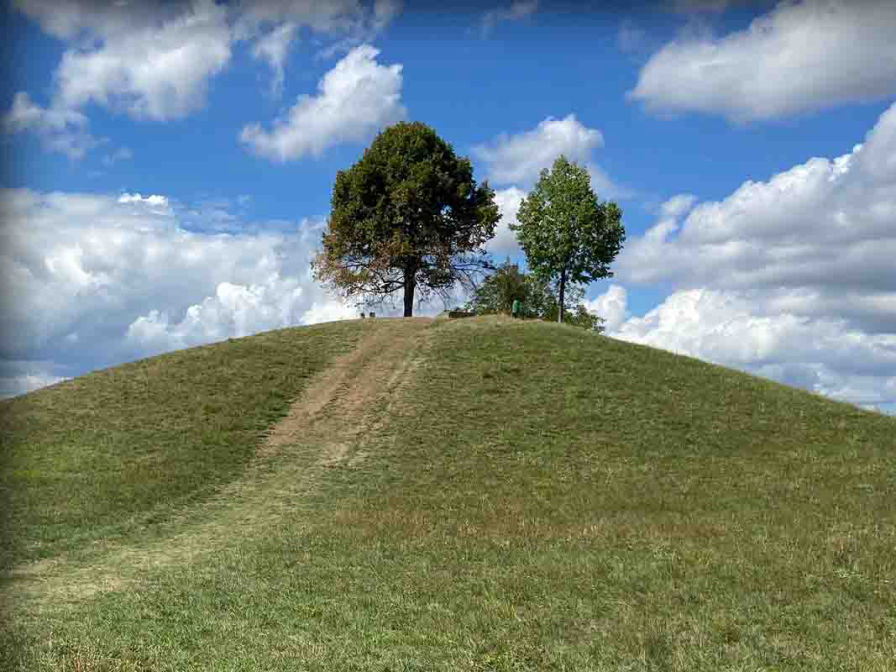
330 424
340 405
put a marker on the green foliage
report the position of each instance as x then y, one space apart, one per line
577 315
407 216
567 235
497 293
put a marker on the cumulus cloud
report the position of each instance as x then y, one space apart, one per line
739 329
153 72
92 280
678 205
83 21
819 237
154 60
60 130
234 311
519 9
799 57
148 60
792 278
612 306
26 115
505 242
154 200
519 158
355 98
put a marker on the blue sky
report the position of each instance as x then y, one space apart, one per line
169 167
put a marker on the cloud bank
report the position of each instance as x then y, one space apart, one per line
799 57
154 60
93 280
792 278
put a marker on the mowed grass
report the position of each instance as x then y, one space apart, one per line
114 453
542 499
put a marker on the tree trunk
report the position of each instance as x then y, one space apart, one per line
562 295
410 284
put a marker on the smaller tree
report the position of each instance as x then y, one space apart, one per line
568 236
497 293
577 315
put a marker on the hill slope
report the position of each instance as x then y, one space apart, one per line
478 494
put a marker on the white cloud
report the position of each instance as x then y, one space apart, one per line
156 72
26 115
60 130
92 280
505 242
799 57
273 48
678 205
153 200
738 329
612 306
519 9
328 311
792 278
82 21
154 60
519 158
233 311
150 60
603 186
356 98
818 237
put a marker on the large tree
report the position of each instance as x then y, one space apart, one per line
567 235
407 216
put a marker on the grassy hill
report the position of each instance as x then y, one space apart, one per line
480 494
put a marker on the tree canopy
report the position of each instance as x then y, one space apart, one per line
568 236
408 216
497 293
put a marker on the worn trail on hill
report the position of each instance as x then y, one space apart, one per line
332 423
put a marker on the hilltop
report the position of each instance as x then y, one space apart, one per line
416 494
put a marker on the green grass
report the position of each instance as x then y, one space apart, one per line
118 451
540 498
